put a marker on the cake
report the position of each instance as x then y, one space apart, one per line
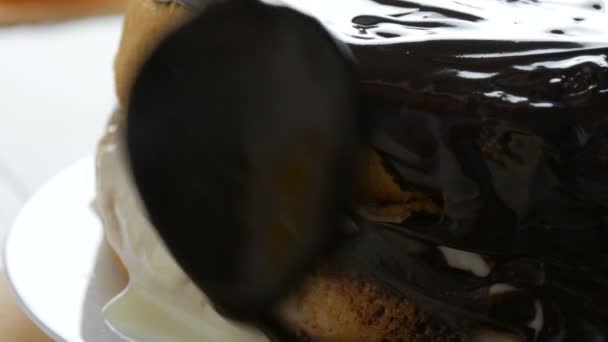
482 200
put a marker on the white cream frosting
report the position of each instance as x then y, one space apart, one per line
466 261
501 288
538 320
160 302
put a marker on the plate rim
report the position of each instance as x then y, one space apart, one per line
8 267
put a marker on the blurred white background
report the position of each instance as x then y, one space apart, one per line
56 92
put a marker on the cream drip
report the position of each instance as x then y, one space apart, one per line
465 261
160 302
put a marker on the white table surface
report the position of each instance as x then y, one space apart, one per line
56 92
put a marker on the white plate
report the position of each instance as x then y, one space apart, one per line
58 263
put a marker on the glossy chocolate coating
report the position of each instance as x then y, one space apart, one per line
513 135
500 109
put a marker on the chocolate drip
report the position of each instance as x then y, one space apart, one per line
511 135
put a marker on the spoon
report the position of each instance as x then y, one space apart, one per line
242 132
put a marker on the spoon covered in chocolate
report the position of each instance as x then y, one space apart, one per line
259 137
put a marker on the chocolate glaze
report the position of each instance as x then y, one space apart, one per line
510 133
499 108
